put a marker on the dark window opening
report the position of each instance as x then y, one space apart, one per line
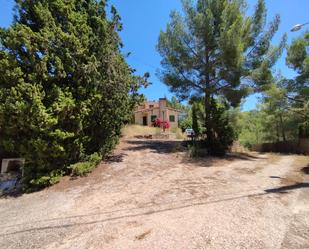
145 120
153 118
172 118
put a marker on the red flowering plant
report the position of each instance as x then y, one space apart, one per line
157 122
162 124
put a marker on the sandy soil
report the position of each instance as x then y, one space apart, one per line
150 195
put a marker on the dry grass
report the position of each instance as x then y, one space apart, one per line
139 130
178 132
131 131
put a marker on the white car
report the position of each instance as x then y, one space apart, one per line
190 132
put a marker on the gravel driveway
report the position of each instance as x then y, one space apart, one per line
150 195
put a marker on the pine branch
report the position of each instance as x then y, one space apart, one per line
294 99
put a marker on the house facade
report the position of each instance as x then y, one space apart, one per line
146 113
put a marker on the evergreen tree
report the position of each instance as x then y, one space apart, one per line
215 51
195 123
66 90
298 88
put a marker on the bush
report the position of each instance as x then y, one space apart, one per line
162 124
185 123
223 132
95 158
46 180
82 168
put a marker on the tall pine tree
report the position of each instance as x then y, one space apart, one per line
216 52
298 88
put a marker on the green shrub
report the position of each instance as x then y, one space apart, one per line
185 123
46 180
223 132
82 168
95 158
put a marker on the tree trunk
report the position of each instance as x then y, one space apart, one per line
208 115
277 132
282 128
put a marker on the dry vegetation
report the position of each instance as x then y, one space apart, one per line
131 131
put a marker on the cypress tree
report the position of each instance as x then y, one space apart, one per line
66 89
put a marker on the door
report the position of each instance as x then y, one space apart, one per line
145 120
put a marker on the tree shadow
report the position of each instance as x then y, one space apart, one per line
241 156
157 146
285 189
305 170
115 158
208 161
14 193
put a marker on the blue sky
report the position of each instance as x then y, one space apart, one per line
143 21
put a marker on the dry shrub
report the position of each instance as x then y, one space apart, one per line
139 130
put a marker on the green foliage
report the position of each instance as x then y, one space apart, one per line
95 158
195 122
297 89
185 123
224 133
82 168
47 180
214 51
85 167
252 128
186 120
283 113
66 89
275 120
174 103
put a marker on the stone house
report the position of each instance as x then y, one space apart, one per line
146 113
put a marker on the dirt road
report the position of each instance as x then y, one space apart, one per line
150 195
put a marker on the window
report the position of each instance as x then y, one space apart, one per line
153 118
150 106
172 118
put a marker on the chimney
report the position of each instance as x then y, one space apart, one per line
162 103
162 106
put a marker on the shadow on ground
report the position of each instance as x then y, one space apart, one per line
115 158
209 161
172 146
157 146
305 170
285 189
275 177
14 193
